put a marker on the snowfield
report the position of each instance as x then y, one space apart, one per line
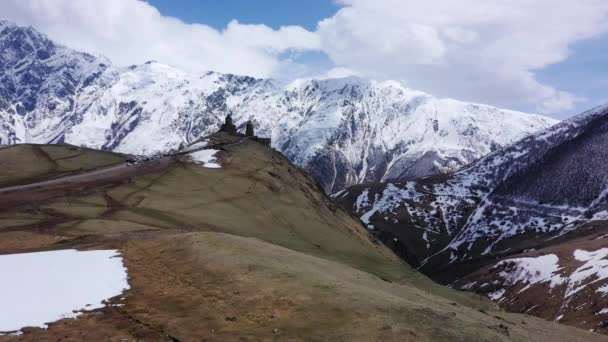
38 288
206 158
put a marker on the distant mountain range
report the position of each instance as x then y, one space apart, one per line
526 225
343 131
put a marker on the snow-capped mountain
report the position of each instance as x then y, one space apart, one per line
547 184
343 131
525 225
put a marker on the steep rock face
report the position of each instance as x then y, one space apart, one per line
344 131
491 227
384 131
40 85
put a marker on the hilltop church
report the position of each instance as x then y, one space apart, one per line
229 127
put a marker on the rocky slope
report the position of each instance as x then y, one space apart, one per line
343 131
530 215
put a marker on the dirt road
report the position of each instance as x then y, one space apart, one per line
25 194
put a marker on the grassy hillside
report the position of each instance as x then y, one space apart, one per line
22 164
251 251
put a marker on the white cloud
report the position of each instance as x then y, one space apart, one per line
338 72
485 51
132 32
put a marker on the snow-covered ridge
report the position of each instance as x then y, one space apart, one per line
517 275
545 185
344 131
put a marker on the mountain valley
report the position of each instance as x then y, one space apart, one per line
526 220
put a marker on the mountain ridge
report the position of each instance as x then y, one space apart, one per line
527 219
343 131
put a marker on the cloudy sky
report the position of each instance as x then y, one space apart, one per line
546 56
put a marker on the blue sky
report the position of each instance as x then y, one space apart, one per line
542 56
274 13
584 73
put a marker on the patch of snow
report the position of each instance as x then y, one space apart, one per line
594 269
426 239
531 308
532 270
38 288
337 194
468 286
389 200
603 289
579 307
602 312
362 200
546 269
196 146
497 295
206 158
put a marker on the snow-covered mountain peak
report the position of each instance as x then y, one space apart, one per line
344 131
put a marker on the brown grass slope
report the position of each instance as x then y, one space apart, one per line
253 251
